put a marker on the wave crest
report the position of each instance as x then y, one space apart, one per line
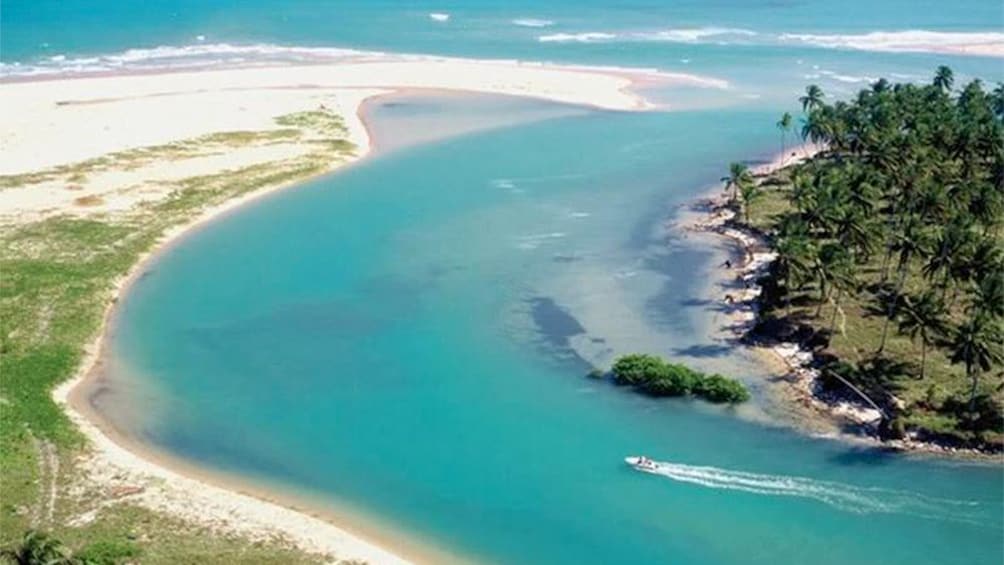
196 56
679 35
532 22
959 43
990 43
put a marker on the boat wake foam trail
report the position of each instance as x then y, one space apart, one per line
850 498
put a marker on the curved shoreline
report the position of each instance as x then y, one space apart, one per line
221 500
308 530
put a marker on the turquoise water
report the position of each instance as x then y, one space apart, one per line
396 339
406 340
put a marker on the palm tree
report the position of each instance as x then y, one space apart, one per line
978 344
923 317
784 124
998 100
749 191
909 243
38 548
988 300
816 127
951 244
831 261
843 279
813 98
792 264
943 79
739 175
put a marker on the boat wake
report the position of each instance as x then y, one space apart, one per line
849 498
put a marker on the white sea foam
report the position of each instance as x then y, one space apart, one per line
226 55
989 43
199 55
532 22
439 17
695 35
962 43
862 500
535 240
587 37
847 78
680 35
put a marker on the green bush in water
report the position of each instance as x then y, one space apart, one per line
672 380
656 377
719 389
637 369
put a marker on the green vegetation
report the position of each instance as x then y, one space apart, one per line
56 278
318 126
656 377
890 261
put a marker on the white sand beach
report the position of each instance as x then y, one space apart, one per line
123 127
59 122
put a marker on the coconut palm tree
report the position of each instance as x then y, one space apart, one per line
978 344
998 100
794 251
843 279
831 262
784 124
988 298
909 244
943 79
748 192
812 99
739 176
923 317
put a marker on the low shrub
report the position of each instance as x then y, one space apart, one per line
655 377
637 369
719 389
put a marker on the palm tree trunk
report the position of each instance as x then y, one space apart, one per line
886 263
891 312
836 308
923 354
974 378
787 295
823 295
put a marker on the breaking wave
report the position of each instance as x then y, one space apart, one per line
532 22
682 35
850 498
961 43
587 37
201 55
957 43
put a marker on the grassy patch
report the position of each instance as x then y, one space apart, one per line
56 277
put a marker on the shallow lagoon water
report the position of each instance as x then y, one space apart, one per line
406 341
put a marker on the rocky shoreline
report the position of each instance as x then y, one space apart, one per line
856 420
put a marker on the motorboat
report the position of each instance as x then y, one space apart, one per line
641 463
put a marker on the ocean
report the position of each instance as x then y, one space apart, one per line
405 342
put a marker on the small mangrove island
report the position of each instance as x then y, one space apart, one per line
656 377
